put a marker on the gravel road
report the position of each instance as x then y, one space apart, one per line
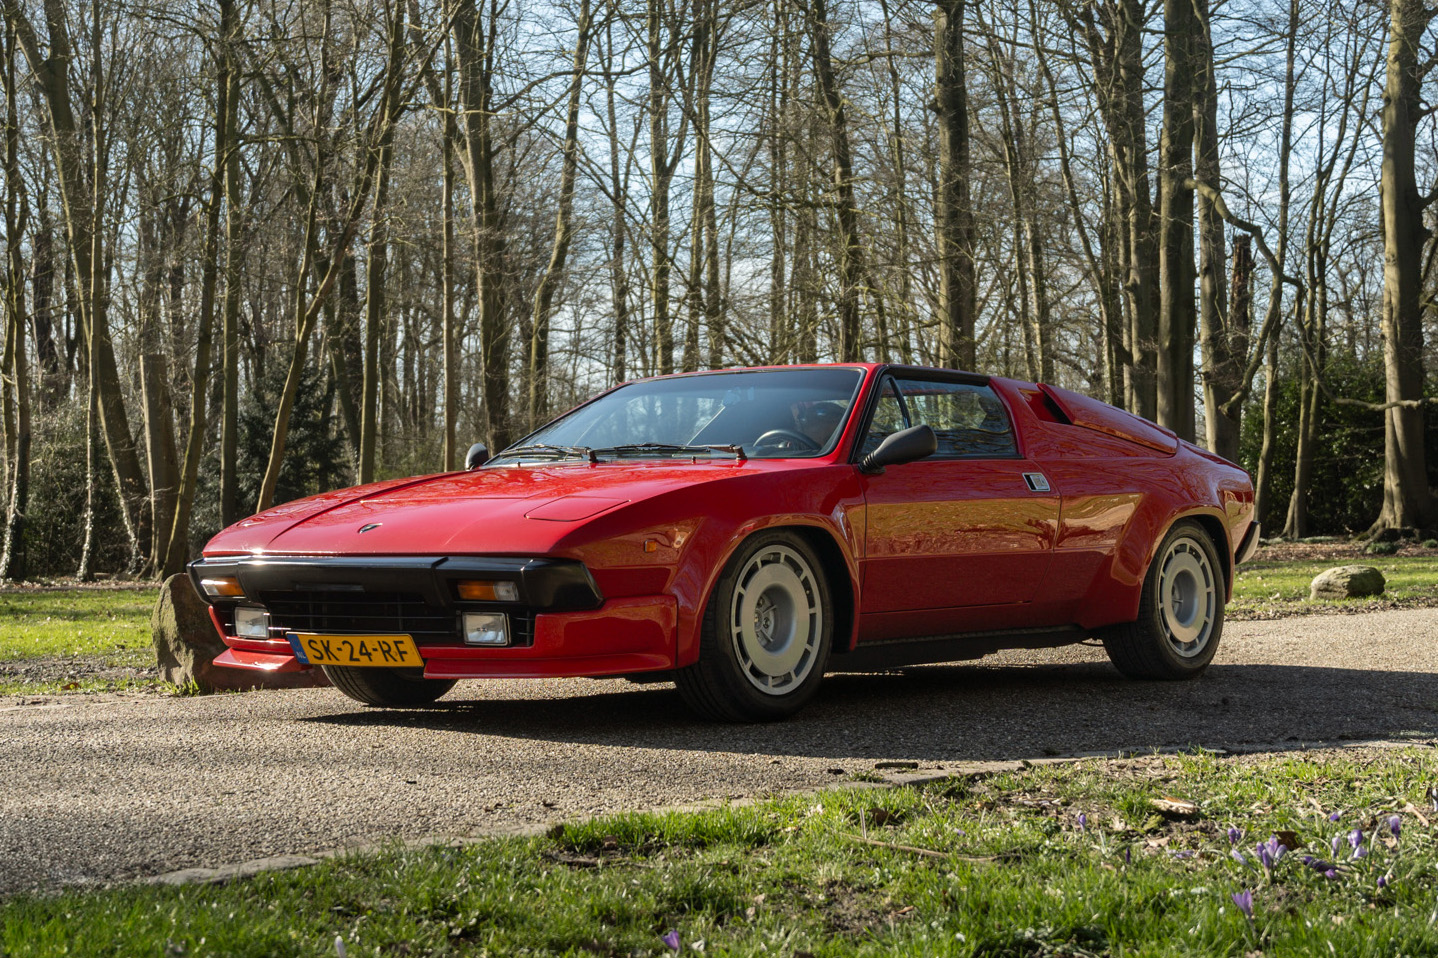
95 789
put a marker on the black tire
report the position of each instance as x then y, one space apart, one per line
766 634
387 688
1180 613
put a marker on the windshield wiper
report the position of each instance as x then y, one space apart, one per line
548 451
641 448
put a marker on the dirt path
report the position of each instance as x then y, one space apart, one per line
103 788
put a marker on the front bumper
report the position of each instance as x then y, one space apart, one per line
561 625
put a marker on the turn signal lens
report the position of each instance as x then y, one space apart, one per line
488 591
222 587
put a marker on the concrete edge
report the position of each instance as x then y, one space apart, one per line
907 776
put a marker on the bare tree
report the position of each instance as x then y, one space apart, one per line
1407 500
957 288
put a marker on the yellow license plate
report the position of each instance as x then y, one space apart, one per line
393 651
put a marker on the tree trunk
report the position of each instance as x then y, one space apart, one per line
563 230
448 320
375 267
1175 218
849 347
1263 475
619 196
1224 344
1116 55
15 370
234 258
957 281
42 284
1407 500
177 542
476 74
780 337
660 172
163 458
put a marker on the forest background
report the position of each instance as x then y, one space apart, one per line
259 248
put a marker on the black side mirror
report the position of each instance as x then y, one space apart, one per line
900 447
477 456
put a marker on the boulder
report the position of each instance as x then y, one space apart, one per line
186 644
1347 582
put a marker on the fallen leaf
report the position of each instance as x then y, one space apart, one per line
1288 838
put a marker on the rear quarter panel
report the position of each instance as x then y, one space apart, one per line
1119 499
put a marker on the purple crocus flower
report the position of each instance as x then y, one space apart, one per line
671 938
1335 844
1237 856
1265 857
1234 835
1331 873
1082 821
1355 837
1335 816
1395 825
1360 851
1244 901
1382 882
1128 855
1276 848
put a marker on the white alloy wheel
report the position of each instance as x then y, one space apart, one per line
1180 612
1187 597
776 620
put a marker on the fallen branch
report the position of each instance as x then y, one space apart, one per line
915 850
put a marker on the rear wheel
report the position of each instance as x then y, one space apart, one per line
766 634
389 688
1180 614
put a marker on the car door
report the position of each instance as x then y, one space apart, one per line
971 525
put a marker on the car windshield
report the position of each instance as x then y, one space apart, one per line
754 414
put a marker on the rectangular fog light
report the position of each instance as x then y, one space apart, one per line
486 628
252 623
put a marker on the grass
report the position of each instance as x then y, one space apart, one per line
1271 588
59 635
1068 860
70 622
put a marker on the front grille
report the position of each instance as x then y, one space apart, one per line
360 613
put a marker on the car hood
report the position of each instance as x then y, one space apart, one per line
516 509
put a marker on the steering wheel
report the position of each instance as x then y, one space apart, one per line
779 438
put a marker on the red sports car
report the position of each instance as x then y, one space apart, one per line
741 532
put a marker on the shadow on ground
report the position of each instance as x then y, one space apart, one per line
971 712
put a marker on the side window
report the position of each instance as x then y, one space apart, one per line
888 418
970 421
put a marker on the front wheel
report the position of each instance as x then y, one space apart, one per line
766 634
387 688
1180 613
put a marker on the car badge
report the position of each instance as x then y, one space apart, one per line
368 526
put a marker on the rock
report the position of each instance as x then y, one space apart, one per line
1347 582
186 644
